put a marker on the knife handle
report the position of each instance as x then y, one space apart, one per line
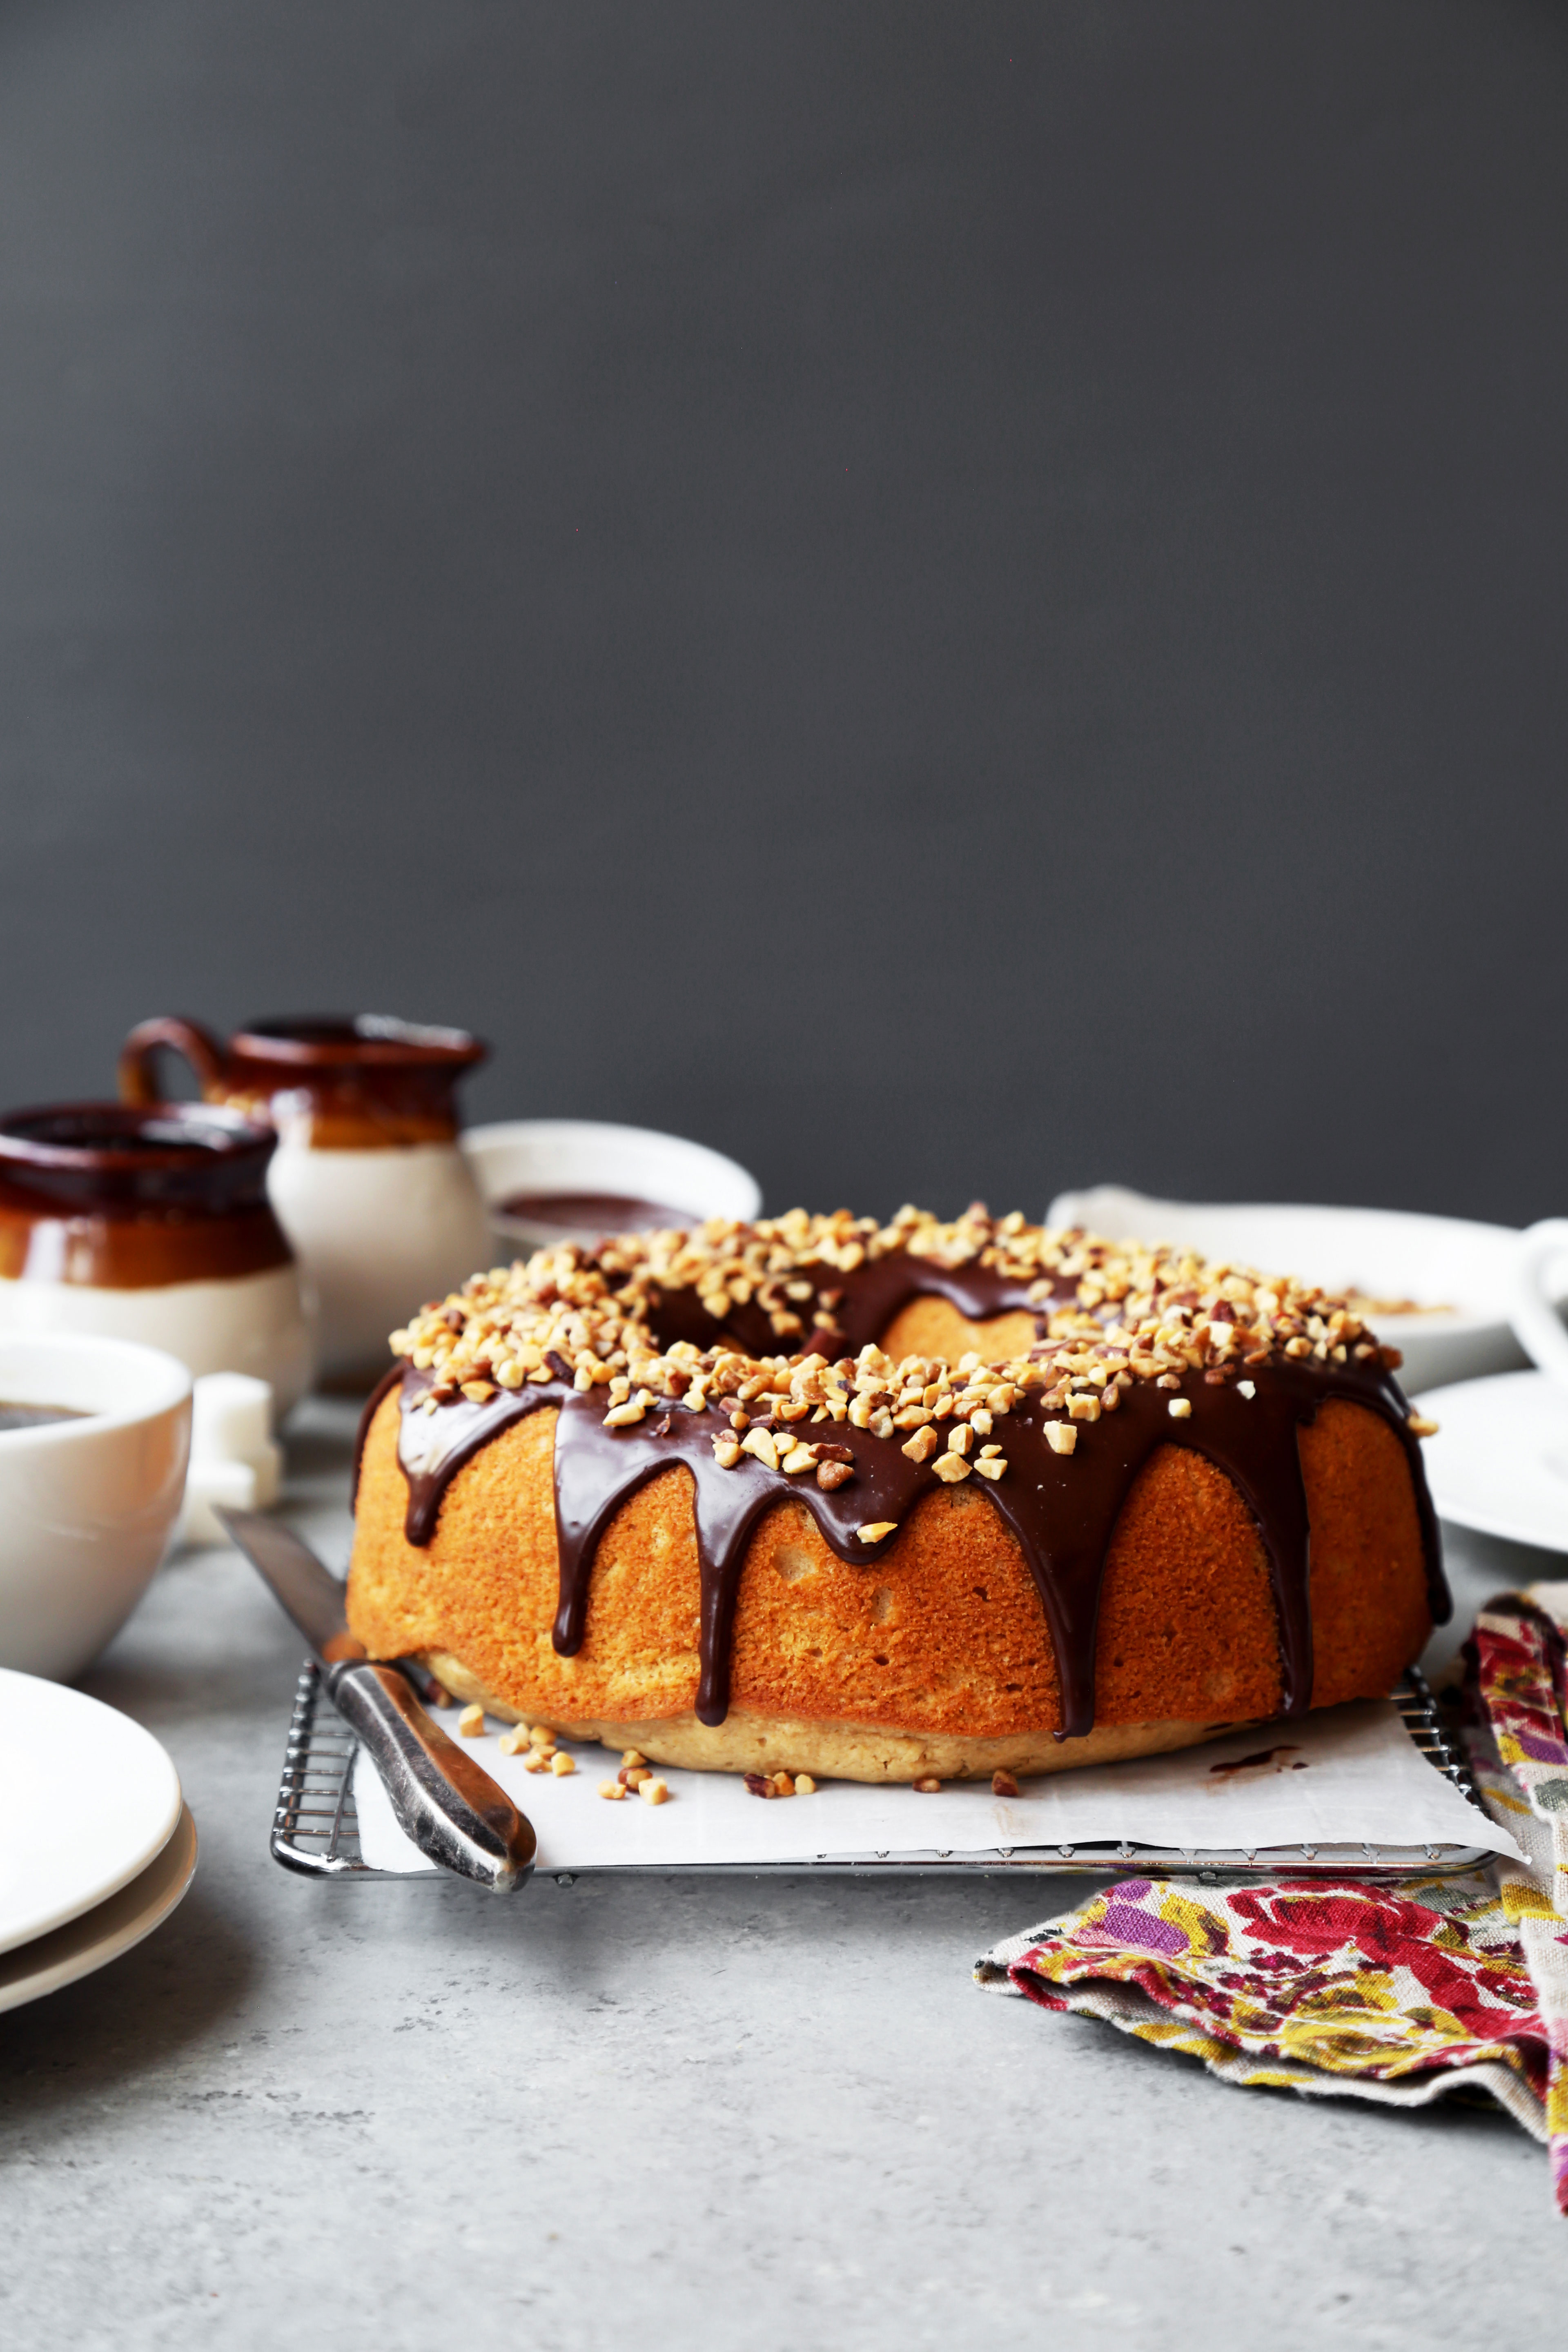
445 1801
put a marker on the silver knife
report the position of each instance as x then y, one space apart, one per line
443 1799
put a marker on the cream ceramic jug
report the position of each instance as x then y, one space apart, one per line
368 1179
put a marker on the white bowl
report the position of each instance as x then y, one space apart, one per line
1463 1271
86 1506
574 1155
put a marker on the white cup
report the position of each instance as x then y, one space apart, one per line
87 1506
1537 1324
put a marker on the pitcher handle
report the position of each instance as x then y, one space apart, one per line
1537 1325
201 1049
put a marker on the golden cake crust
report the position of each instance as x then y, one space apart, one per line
934 1657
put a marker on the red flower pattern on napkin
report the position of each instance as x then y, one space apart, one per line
1392 1993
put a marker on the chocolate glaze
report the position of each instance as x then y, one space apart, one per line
388 1380
851 1310
1063 1509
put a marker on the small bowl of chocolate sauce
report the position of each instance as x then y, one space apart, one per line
549 1181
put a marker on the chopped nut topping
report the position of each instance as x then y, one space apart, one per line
804 1786
1181 1407
875 1529
632 1756
514 1742
1003 1785
1419 1426
471 1723
655 1792
560 1764
928 1785
613 1790
1110 1316
991 1465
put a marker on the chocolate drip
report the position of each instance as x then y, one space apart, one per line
1063 1509
596 1471
397 1370
433 1447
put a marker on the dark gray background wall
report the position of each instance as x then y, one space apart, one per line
953 598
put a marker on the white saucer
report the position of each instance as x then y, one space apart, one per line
1500 1461
87 1799
101 1934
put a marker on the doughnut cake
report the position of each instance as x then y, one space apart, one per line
886 1502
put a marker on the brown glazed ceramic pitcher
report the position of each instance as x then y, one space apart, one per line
368 1179
151 1225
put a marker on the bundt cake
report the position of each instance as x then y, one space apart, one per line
888 1502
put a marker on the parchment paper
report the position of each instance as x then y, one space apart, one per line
1340 1776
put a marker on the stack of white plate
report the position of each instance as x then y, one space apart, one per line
97 1844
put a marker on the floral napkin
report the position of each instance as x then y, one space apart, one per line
1399 1993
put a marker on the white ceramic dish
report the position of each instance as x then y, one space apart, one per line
1500 1461
574 1155
100 1935
1464 1269
251 1323
377 1233
87 1506
90 1799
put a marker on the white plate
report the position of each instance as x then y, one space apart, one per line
1499 1460
88 1800
1448 1263
100 1935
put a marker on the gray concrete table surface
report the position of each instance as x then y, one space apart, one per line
664 2111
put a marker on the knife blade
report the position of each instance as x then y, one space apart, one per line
443 1798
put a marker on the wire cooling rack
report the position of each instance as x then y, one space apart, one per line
315 1830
